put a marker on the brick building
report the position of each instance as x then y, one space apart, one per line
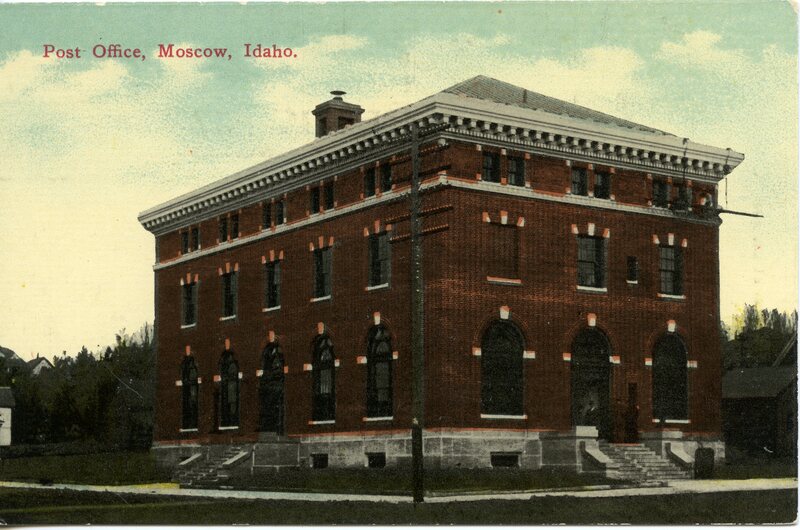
571 266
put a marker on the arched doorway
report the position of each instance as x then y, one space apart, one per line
670 380
591 381
270 389
502 348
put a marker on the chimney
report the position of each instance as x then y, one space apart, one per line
335 114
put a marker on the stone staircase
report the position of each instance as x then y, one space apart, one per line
639 464
210 472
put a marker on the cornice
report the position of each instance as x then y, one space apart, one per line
471 120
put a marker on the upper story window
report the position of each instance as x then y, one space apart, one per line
223 229
280 212
380 259
579 183
602 185
369 182
591 261
670 270
272 286
234 226
683 201
195 238
329 198
315 202
184 242
660 194
322 272
386 178
491 167
189 312
502 256
229 294
633 270
266 215
516 171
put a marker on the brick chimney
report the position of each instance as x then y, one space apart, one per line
335 114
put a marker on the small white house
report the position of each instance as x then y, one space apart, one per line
6 407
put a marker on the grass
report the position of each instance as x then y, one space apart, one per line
393 481
757 468
62 507
100 468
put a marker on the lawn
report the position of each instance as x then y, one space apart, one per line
100 468
47 507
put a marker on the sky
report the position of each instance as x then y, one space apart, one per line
86 144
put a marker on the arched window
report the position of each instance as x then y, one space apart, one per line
271 389
670 382
501 369
189 389
379 373
324 399
229 390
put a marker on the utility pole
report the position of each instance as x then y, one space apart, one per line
417 331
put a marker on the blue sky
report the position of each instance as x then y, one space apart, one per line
89 143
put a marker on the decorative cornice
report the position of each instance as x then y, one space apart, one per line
470 119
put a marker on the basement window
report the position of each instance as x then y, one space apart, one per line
319 461
376 460
505 459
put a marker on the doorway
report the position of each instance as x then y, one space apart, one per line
591 382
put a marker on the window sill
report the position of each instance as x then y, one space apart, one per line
268 309
379 418
672 296
681 422
496 280
229 428
223 319
189 430
321 298
322 422
587 289
503 417
632 282
188 326
376 287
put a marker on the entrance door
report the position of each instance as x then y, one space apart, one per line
591 376
271 391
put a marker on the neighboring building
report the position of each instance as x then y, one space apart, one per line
38 364
11 359
759 405
6 408
571 267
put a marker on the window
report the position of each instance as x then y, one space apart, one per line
491 167
280 213
369 182
266 215
324 380
229 391
329 199
229 294
386 178
670 381
184 242
633 270
376 460
322 272
189 393
579 182
270 388
602 185
501 369
660 194
379 373
315 204
684 197
195 238
591 261
516 171
504 459
189 304
319 461
502 257
379 259
235 226
223 229
272 290
671 270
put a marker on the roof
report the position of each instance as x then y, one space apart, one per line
6 397
788 355
760 382
482 87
